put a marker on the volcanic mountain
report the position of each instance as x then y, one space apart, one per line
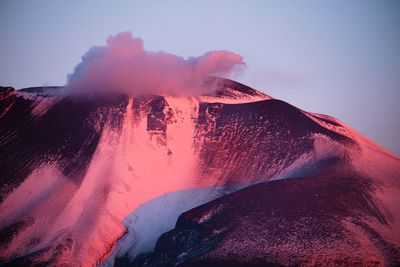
249 181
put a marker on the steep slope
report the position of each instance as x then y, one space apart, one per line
78 173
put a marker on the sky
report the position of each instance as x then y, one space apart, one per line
340 58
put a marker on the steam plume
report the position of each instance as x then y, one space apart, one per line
124 66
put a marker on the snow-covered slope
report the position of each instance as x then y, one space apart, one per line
88 179
338 216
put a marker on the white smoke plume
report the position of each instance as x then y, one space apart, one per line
124 66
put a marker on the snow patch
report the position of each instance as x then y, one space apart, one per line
41 105
209 214
146 223
38 201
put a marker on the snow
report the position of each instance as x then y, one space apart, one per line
146 223
136 185
39 200
41 104
324 148
229 100
209 214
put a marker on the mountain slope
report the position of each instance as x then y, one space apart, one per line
81 174
326 219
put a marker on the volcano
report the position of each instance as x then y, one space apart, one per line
230 178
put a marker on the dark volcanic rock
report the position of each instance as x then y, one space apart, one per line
269 134
5 91
68 132
319 220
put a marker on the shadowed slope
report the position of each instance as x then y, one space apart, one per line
328 219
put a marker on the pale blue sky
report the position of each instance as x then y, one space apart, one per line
336 57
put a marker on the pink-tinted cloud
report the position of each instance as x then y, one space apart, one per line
123 65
